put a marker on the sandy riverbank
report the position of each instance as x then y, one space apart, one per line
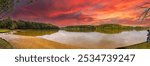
29 42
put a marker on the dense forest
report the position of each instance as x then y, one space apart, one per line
83 28
104 28
20 24
113 28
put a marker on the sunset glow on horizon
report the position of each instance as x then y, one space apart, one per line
82 12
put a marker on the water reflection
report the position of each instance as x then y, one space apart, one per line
96 39
34 32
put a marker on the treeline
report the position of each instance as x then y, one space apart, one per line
12 24
120 27
104 28
83 28
113 28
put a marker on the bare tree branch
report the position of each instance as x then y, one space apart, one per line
145 14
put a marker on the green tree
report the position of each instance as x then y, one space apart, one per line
7 6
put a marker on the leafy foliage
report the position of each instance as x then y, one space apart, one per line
5 45
12 24
81 28
6 6
104 28
112 28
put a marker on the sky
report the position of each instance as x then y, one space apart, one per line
82 12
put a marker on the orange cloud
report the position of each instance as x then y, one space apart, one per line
77 12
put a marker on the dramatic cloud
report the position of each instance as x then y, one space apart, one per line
77 12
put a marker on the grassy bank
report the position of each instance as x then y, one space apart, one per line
4 30
4 44
31 32
143 45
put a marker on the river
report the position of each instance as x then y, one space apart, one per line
96 39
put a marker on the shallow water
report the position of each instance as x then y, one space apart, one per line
91 39
96 39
